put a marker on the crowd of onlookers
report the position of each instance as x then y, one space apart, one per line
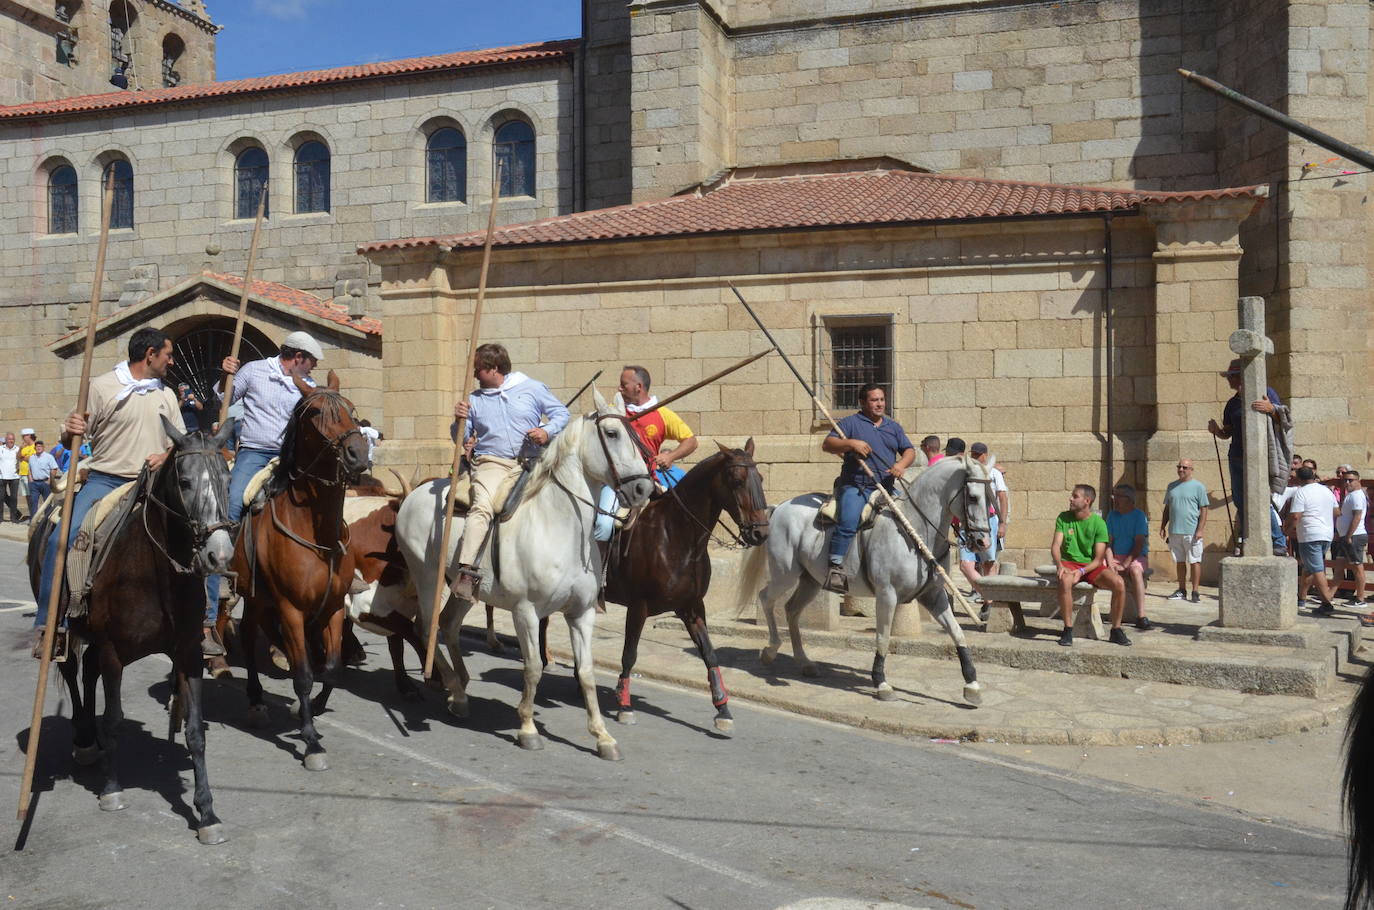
27 470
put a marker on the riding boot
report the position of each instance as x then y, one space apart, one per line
836 580
464 587
210 645
604 547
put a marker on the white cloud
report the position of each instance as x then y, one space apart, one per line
286 10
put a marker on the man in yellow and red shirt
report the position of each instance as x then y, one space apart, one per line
655 428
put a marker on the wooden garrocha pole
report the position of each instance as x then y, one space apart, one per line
863 463
243 305
68 497
705 382
440 571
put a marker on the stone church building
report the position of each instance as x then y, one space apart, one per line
1017 216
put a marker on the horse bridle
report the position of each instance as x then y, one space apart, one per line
200 533
618 482
744 527
334 445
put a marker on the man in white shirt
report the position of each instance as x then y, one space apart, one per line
1312 511
9 478
975 565
1348 549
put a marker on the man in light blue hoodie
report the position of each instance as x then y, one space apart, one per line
503 411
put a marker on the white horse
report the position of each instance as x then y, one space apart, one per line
881 563
548 560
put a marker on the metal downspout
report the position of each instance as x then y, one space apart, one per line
1108 361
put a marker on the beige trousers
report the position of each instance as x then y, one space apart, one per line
489 474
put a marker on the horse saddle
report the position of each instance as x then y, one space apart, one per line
511 491
92 546
257 482
827 513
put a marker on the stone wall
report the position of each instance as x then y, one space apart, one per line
31 71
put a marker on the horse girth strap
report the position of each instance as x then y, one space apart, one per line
337 548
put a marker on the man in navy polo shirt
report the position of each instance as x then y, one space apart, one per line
883 445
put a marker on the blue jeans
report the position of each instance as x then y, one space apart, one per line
1238 498
849 508
982 556
604 524
38 491
246 463
97 487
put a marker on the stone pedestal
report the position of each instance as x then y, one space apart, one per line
822 613
1259 592
906 620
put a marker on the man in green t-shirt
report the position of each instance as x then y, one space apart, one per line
1079 550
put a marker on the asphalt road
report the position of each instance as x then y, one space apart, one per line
421 811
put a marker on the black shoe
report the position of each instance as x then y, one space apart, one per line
1118 637
983 614
1196 599
1326 609
1144 624
1354 602
1066 638
210 645
836 581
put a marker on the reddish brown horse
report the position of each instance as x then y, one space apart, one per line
660 564
291 559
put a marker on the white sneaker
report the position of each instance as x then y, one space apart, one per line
1180 594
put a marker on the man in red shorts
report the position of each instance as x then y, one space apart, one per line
1079 550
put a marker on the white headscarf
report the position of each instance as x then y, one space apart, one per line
633 409
511 381
132 385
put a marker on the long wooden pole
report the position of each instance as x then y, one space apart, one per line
705 382
243 304
863 463
68 497
441 569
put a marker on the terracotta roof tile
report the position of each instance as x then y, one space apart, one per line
866 198
301 300
108 101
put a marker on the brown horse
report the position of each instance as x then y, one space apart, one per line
661 564
291 559
150 599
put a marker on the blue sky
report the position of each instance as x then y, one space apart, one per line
262 37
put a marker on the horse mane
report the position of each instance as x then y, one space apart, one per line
331 405
543 470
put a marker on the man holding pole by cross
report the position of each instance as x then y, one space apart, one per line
882 444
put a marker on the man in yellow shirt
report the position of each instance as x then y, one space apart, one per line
28 436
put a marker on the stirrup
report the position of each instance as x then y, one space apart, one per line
836 581
210 645
464 587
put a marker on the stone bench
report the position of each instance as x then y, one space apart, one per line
1004 595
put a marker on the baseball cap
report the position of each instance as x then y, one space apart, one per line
302 341
1234 369
979 448
1340 468
28 431
955 446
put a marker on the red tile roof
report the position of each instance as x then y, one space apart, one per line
301 300
108 101
876 197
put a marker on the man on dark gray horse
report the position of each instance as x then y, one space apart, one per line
882 444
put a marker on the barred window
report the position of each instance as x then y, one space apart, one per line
250 176
122 209
62 205
447 166
312 177
859 355
514 149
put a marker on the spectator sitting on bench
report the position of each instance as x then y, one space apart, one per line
1129 546
1079 550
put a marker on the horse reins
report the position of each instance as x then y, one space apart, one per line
199 533
616 480
743 527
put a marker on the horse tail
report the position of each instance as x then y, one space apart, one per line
750 582
1358 797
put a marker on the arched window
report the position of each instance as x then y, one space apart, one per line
122 211
172 49
62 207
122 19
312 177
250 178
447 166
514 154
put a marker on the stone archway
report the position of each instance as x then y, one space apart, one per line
200 344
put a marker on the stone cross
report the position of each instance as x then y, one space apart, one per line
1250 344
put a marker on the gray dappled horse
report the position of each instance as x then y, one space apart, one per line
882 562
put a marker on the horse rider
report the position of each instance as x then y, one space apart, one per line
882 444
268 396
654 428
124 428
506 409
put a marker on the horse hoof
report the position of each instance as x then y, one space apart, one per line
973 693
257 716
626 717
766 657
811 671
885 693
530 742
458 709
494 646
279 659
211 835
609 751
113 802
315 761
86 755
725 724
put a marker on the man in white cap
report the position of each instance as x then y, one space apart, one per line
268 396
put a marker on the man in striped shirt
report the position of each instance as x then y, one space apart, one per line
268 394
